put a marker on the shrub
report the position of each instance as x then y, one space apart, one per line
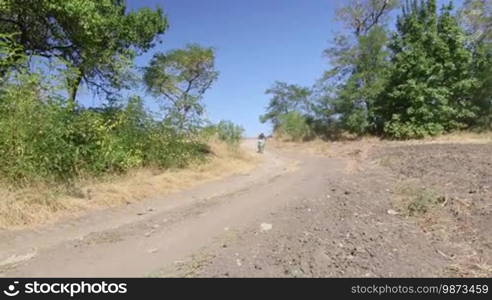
42 139
357 122
229 132
294 126
410 130
33 134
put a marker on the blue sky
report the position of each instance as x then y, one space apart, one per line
257 42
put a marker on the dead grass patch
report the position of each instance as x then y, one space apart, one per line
414 200
328 148
460 137
353 151
448 219
43 204
356 150
349 146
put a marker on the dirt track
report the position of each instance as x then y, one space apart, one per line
297 215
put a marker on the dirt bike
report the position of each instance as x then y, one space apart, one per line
261 146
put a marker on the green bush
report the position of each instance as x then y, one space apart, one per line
411 130
229 132
33 134
294 126
356 122
42 139
10 53
165 149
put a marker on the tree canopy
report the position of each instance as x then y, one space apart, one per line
96 39
477 16
360 16
285 98
429 75
430 86
180 77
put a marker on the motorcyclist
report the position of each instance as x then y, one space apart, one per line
261 143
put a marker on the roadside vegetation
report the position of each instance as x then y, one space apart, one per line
49 52
424 73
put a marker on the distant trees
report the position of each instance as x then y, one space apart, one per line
180 77
286 98
294 126
229 132
289 109
430 76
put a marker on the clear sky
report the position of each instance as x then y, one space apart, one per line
257 42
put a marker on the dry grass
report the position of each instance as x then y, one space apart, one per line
449 221
355 150
462 137
328 148
43 204
318 146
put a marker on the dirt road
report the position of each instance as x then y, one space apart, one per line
296 215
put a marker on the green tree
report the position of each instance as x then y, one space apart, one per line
294 126
96 39
477 19
482 95
286 98
429 89
360 16
229 132
356 96
359 61
181 77
477 16
10 54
